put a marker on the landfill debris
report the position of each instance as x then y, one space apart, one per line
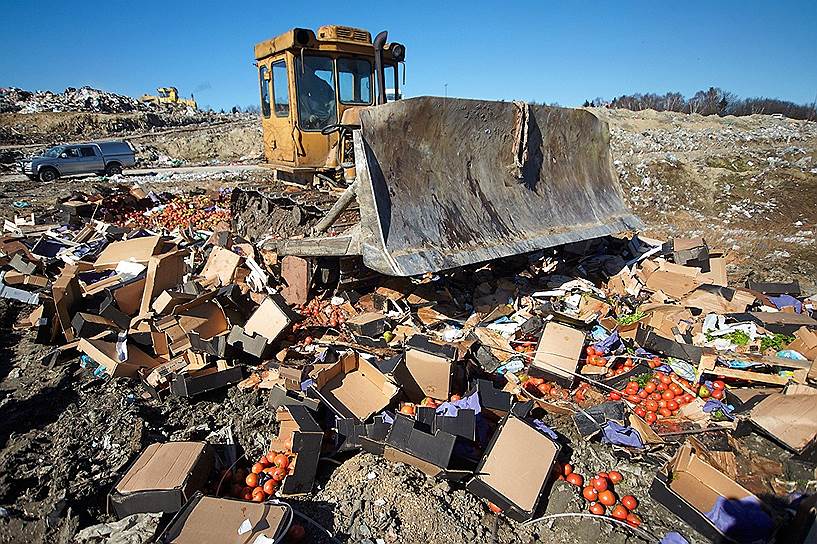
497 379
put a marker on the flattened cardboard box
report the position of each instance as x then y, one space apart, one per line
791 420
515 470
688 486
557 355
299 432
429 369
353 387
214 520
162 478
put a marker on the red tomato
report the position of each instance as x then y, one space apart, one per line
596 508
269 487
590 493
655 396
651 405
257 468
629 502
718 384
599 483
607 497
666 412
664 378
650 387
575 479
614 395
633 519
667 395
494 508
717 394
672 405
281 460
615 477
643 394
640 412
567 469
635 399
590 351
620 512
651 417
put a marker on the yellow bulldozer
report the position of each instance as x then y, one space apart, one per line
438 183
169 95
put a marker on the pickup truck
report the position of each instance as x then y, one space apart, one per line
108 158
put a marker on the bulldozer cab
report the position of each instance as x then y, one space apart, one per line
169 93
311 83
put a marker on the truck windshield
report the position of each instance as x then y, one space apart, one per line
54 152
315 78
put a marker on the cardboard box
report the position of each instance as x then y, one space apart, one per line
371 324
649 339
492 399
221 266
162 478
299 431
778 322
805 343
791 421
557 355
350 434
430 368
410 443
516 468
164 271
205 520
270 319
353 387
138 250
279 396
688 486
257 345
463 425
104 353
189 384
88 325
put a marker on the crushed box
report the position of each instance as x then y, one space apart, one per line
299 432
162 478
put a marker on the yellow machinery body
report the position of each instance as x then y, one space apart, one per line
169 95
310 81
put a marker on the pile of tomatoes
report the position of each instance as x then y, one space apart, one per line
197 212
322 312
662 396
539 388
262 480
595 357
600 494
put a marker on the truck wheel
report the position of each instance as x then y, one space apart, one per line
48 174
113 169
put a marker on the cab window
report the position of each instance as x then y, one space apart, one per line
390 77
87 152
262 81
71 152
355 81
280 88
315 80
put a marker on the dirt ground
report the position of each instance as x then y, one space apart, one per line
747 185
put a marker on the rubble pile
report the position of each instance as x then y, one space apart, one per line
525 384
84 99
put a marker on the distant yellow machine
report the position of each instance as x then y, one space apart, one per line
169 95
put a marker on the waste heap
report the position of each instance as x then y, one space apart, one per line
84 99
464 374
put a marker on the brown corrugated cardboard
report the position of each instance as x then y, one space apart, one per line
516 468
164 271
675 280
162 478
269 320
65 292
299 432
104 353
719 300
297 275
558 352
805 343
352 387
138 250
168 300
220 266
206 319
206 520
430 367
791 419
689 486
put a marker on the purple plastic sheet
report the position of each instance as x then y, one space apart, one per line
714 404
615 433
540 425
674 538
742 520
782 301
450 408
609 344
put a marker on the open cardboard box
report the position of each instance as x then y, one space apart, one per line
299 433
189 384
689 487
138 250
557 355
429 369
412 443
516 468
213 520
353 387
162 478
104 353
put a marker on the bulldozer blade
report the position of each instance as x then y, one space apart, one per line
449 182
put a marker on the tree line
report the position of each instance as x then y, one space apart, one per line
714 101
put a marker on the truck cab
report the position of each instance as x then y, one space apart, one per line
311 86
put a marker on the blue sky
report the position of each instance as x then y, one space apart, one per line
531 50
